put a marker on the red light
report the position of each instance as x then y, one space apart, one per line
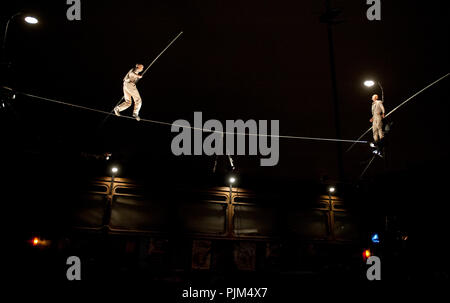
366 254
35 241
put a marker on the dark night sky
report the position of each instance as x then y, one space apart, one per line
235 60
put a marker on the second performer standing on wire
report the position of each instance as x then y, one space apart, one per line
377 123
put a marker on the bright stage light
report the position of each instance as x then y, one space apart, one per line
369 83
31 20
114 170
331 189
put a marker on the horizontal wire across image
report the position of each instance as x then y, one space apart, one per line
190 127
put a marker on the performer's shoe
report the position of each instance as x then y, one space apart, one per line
136 116
378 153
116 112
378 145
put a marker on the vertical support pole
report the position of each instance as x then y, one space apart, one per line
331 218
108 207
329 20
230 212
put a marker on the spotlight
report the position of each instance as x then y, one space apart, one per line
369 83
232 180
114 170
331 189
31 20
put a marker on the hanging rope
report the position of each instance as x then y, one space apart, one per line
400 105
364 171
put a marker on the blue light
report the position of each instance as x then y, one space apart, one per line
375 238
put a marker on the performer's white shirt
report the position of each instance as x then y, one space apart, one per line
131 76
377 107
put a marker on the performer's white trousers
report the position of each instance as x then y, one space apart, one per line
130 91
377 128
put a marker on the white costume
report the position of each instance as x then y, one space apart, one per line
130 91
377 123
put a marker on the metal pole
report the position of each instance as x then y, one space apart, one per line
230 212
334 89
6 32
384 143
382 91
330 218
171 42
112 184
6 28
